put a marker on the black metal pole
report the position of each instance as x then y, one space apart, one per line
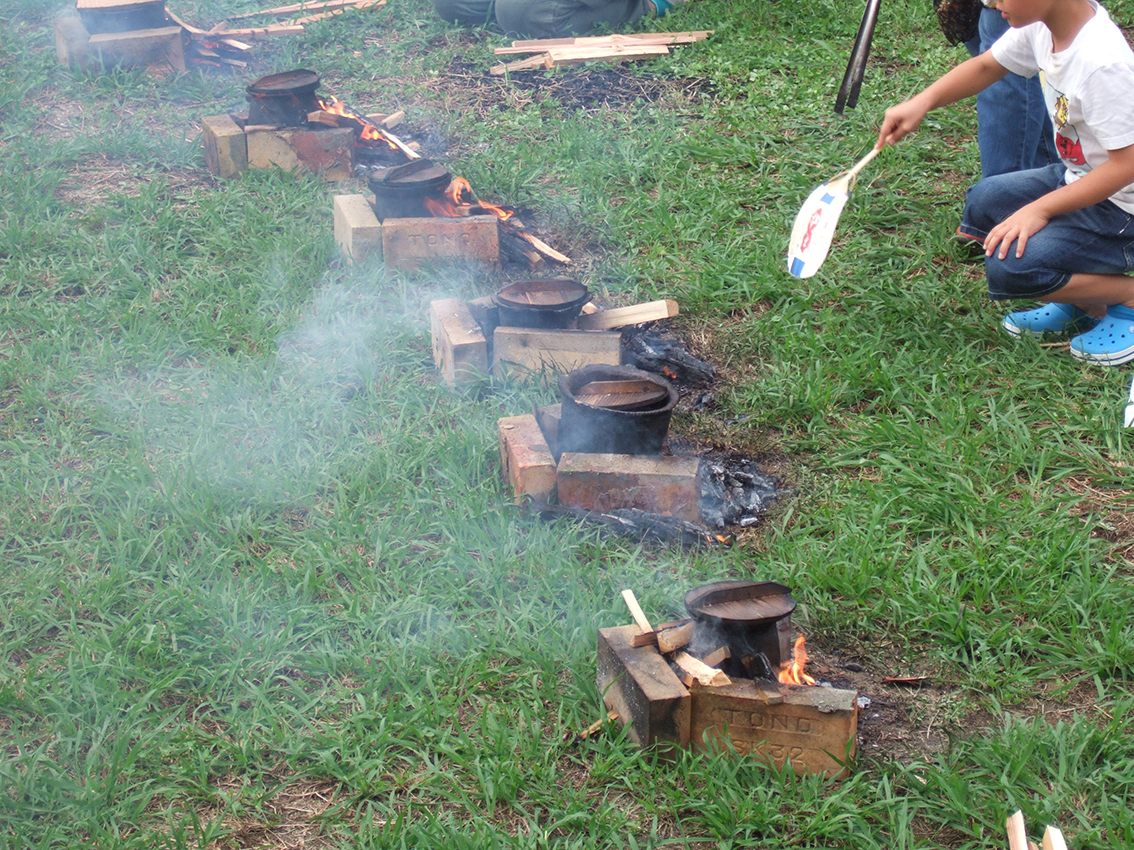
852 79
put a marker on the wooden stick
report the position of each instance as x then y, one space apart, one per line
252 32
541 45
189 29
537 61
698 672
596 727
1053 839
362 4
671 640
297 7
636 611
542 247
621 317
1017 835
576 55
714 658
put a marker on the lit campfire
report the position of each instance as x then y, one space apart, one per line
369 134
791 672
458 200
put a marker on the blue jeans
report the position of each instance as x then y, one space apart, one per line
1013 130
1094 240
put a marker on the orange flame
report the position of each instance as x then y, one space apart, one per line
369 133
458 200
791 672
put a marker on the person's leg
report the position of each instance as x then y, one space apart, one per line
557 18
1013 129
470 13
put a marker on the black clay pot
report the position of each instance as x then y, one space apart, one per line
599 430
541 303
284 99
400 192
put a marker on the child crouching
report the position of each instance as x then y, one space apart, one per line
1063 234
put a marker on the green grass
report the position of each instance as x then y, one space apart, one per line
262 584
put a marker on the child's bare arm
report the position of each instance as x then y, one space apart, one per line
1092 188
965 80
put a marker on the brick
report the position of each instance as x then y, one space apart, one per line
528 465
522 351
605 482
327 151
138 48
639 685
460 350
816 728
409 243
226 149
358 233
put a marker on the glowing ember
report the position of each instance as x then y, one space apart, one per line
791 672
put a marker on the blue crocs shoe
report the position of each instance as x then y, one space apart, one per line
1048 319
1111 343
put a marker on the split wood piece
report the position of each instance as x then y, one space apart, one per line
636 610
620 395
192 30
588 308
904 680
521 232
529 64
1053 839
558 56
519 251
717 656
677 634
221 31
362 4
292 8
697 672
543 44
621 317
596 727
1017 834
387 121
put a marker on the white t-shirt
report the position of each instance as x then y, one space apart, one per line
1089 89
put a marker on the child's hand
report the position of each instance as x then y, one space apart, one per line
901 120
1017 228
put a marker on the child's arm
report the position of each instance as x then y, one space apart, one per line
1092 188
965 80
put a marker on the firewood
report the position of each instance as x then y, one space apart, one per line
538 61
696 671
651 638
717 656
620 317
1017 835
297 7
362 4
539 245
189 29
542 45
319 116
597 726
671 640
1053 839
221 31
558 56
519 251
636 611
388 121
769 691
588 308
904 680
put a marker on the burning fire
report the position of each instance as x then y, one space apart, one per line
458 200
369 133
791 672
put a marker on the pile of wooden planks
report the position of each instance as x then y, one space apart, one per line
551 52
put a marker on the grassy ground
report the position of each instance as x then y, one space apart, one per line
261 585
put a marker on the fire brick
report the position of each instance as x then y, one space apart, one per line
459 348
816 728
526 458
327 151
226 149
640 686
407 243
517 351
605 482
358 233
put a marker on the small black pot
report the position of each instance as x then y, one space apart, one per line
541 303
400 192
583 428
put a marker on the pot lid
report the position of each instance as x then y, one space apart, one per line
740 603
552 292
284 82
